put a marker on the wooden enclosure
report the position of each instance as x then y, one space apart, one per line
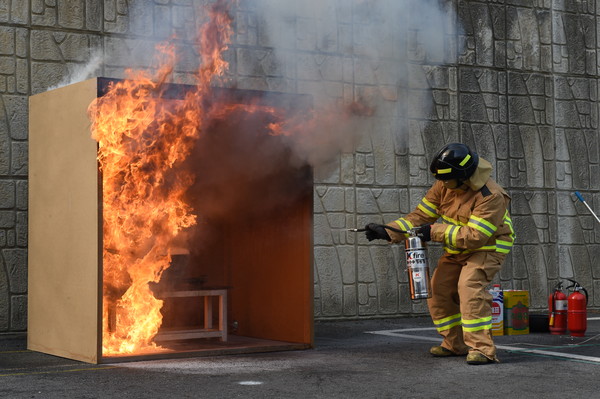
261 255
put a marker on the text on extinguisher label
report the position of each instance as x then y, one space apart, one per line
415 258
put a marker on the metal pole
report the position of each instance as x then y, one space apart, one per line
580 197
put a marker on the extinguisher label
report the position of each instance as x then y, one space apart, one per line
560 305
417 277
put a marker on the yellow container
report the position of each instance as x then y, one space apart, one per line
516 312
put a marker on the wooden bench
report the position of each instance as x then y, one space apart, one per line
209 330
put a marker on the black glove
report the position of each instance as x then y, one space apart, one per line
424 232
375 231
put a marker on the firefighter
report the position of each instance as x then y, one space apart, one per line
476 232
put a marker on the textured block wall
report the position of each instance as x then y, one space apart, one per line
515 79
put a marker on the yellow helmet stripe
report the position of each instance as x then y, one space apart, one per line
464 161
444 171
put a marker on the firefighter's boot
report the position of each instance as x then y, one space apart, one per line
477 358
440 351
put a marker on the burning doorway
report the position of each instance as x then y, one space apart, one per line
252 243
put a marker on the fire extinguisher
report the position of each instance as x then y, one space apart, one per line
417 264
557 306
417 267
577 313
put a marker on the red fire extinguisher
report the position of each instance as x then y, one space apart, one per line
577 313
557 306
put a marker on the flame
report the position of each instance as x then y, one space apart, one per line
142 139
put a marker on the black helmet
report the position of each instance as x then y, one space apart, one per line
454 161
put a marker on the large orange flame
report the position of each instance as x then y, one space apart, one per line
142 141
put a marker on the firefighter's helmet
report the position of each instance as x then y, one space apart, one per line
454 161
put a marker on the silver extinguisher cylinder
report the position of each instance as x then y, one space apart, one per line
418 268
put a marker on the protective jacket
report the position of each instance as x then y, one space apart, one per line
474 217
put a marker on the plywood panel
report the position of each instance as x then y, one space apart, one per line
64 274
271 275
255 205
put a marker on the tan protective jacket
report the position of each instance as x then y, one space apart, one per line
474 217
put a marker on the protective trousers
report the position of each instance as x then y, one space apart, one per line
461 306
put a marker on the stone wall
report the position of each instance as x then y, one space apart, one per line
515 79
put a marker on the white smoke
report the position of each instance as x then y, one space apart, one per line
364 62
80 72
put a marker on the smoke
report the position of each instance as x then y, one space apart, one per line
80 72
364 62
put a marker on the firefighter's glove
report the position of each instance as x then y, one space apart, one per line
375 231
424 232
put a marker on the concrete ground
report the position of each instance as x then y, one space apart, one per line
352 359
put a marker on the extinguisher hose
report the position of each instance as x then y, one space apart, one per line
393 229
385 226
587 298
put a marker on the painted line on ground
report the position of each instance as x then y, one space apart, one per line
515 349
